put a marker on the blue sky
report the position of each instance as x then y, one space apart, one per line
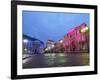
51 25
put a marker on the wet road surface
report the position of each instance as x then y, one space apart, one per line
56 60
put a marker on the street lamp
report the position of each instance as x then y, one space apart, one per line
46 49
25 41
25 49
53 45
61 41
84 29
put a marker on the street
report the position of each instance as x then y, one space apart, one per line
56 60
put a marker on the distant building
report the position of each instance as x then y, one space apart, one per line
77 39
59 48
54 47
32 45
50 46
50 43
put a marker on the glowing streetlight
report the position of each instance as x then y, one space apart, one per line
25 49
46 49
84 29
61 41
25 41
53 46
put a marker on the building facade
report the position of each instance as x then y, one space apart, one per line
32 45
50 44
77 39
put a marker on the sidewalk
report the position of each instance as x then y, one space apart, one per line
26 57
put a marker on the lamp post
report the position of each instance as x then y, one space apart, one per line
84 31
25 41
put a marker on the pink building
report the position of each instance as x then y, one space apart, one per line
77 39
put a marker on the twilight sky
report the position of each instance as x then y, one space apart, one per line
51 25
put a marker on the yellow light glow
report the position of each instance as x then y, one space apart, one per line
84 29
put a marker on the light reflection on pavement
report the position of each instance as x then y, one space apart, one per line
56 60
